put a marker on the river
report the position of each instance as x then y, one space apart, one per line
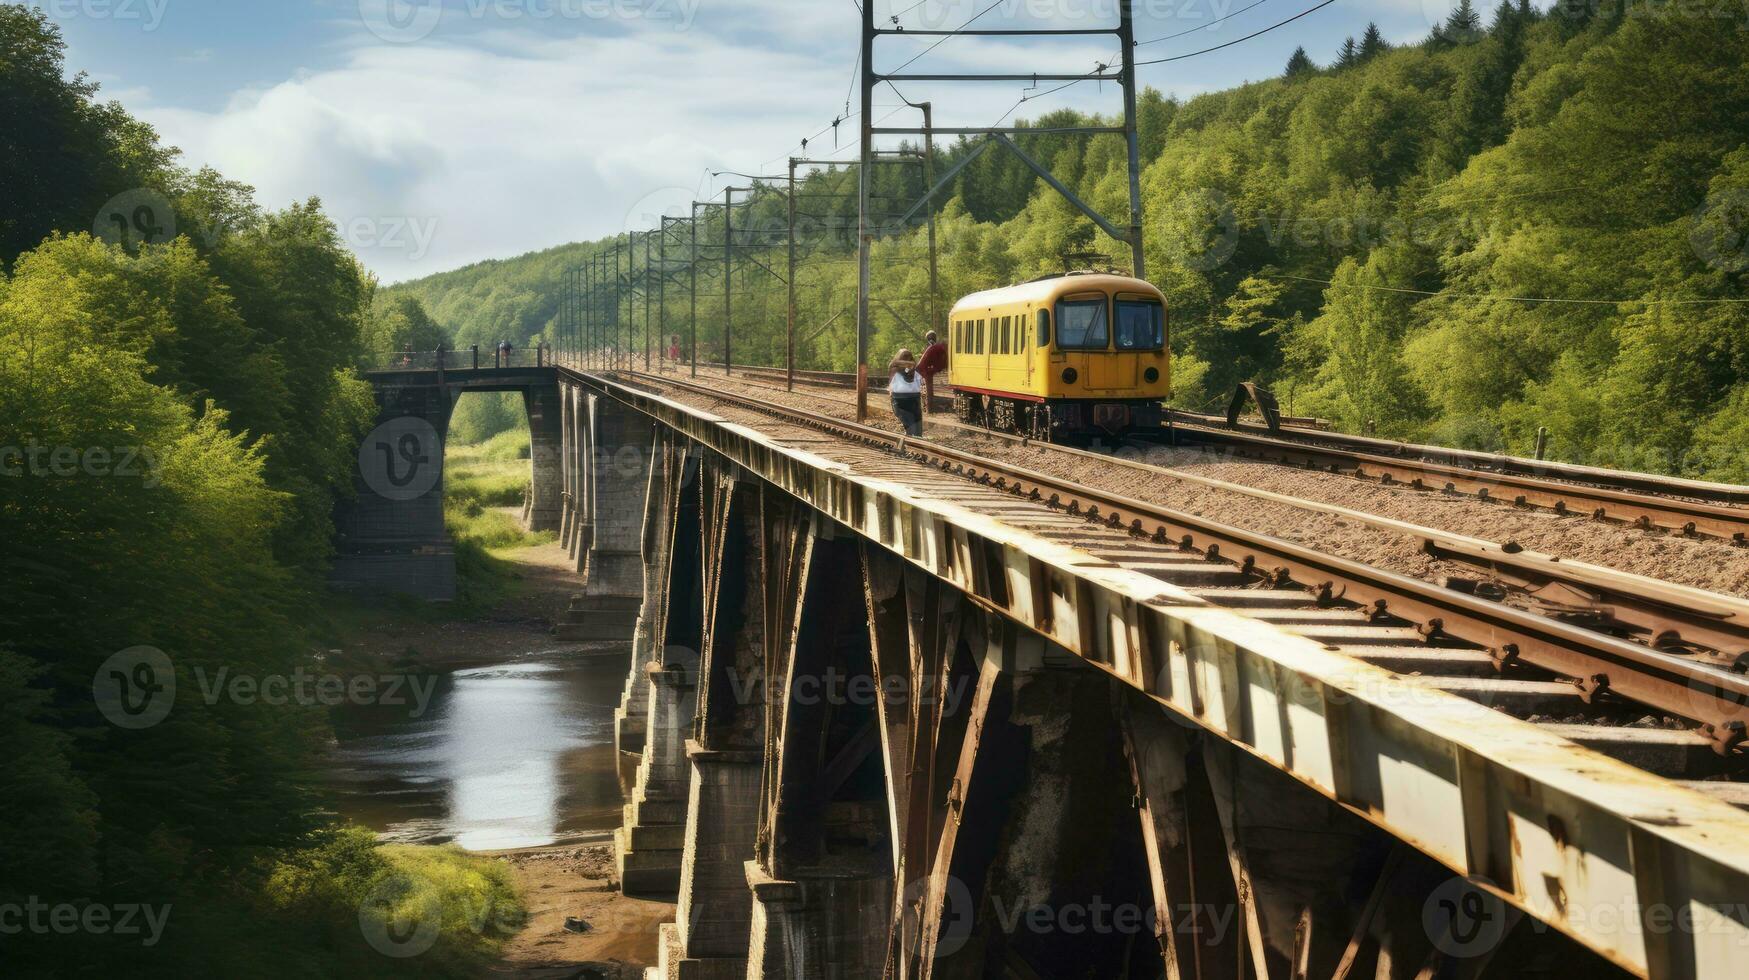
519 754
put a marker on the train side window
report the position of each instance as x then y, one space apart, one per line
1007 326
980 349
1044 329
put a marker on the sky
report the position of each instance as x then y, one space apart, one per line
442 132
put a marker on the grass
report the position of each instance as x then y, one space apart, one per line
482 482
361 901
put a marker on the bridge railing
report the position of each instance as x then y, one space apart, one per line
472 358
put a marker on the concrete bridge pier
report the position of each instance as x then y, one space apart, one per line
616 473
544 507
822 878
664 679
568 524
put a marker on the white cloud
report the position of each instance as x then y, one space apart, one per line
489 138
507 145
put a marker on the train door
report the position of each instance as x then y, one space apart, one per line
1084 331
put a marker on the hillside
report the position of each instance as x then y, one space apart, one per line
1530 219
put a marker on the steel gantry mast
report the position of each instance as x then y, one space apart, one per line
1124 33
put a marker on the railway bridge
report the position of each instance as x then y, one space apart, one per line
894 710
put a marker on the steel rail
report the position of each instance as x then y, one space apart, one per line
1645 500
1642 499
1716 699
1675 618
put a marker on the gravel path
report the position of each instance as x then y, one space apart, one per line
1699 562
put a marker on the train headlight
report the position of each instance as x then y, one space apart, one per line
1151 375
1070 375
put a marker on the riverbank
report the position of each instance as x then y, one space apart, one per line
534 585
575 881
574 878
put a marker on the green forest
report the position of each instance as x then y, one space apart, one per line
178 395
1531 219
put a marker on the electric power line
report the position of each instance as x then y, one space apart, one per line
1266 30
1201 27
1523 299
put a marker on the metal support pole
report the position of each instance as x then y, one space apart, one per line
929 181
692 325
613 335
728 273
790 332
662 301
647 247
864 227
1126 38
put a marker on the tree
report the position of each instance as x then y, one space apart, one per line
1372 42
1464 26
1347 55
1300 63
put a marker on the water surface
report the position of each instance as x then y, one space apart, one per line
514 755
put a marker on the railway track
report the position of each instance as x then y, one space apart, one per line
1643 500
1665 707
1640 499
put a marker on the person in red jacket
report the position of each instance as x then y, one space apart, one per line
934 360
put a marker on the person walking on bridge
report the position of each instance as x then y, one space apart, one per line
905 384
934 362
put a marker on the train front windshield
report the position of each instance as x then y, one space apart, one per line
1081 324
1141 325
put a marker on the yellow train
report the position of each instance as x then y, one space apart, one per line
1075 354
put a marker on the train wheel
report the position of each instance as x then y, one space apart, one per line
1041 423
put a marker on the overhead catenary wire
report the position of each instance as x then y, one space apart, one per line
1241 40
1203 27
1519 299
